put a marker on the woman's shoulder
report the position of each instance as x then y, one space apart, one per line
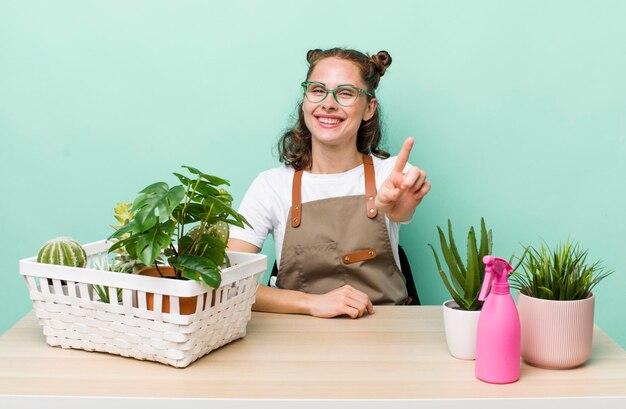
269 190
276 174
273 182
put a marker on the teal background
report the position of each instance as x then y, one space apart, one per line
518 110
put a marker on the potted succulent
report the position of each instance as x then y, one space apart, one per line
180 232
556 304
123 262
463 282
63 251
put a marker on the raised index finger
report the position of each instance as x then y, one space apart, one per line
403 156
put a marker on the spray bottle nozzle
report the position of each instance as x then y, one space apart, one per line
496 269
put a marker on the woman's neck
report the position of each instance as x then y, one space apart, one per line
328 160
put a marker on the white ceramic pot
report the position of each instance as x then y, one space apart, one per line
556 334
460 327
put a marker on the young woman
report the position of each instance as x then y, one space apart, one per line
335 207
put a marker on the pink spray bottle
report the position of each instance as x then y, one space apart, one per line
498 336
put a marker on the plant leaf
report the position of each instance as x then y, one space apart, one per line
456 277
122 231
155 204
455 296
472 279
205 245
557 274
214 180
103 293
455 252
221 207
204 189
198 268
483 249
150 244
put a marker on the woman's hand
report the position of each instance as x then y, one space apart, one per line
400 194
344 300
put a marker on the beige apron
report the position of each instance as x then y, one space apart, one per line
338 241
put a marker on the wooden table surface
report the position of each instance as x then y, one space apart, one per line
396 353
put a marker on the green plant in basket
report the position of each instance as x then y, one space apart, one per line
63 251
464 280
123 262
103 290
560 274
187 224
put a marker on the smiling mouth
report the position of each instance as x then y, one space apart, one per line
329 122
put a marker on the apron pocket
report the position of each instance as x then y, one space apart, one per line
317 269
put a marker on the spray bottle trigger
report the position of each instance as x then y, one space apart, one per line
484 291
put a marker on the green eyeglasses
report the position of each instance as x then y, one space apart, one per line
345 95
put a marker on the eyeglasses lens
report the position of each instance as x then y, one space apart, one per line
345 96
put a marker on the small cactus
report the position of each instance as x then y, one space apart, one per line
220 230
62 251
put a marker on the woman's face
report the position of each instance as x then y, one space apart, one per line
330 123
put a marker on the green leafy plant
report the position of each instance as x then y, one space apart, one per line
187 224
463 281
561 274
123 262
103 290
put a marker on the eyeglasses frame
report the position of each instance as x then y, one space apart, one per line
305 84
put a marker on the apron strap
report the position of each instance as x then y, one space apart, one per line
370 192
296 199
370 186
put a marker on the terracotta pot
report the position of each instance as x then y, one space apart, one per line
556 334
186 305
460 327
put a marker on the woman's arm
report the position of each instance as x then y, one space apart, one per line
242 246
345 300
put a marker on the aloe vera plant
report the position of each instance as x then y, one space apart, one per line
464 280
561 274
103 290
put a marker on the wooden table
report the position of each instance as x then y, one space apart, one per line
398 354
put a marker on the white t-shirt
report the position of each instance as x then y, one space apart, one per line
267 202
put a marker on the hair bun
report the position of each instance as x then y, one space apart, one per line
382 61
313 55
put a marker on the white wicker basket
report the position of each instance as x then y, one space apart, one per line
72 315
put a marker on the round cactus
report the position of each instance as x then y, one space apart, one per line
63 251
220 230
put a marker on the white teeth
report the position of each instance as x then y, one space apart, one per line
329 121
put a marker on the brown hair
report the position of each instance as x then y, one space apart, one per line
294 146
